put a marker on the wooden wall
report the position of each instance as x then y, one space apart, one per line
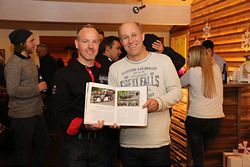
228 20
179 39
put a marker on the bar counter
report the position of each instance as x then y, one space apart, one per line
234 129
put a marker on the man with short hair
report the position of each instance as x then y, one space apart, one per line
84 145
146 146
109 52
25 102
209 45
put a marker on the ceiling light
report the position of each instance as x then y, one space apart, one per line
136 9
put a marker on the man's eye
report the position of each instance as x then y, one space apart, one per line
134 35
124 38
85 41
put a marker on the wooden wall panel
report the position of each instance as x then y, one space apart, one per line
229 20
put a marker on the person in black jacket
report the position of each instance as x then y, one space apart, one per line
47 69
48 65
84 145
153 44
109 52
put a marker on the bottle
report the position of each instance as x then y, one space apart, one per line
40 79
224 73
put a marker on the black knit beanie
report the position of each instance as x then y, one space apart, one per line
19 36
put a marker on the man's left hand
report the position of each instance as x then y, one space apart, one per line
152 105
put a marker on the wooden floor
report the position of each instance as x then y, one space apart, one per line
53 155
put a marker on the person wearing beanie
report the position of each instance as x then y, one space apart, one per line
25 102
153 44
209 45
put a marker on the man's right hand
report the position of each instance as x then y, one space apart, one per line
42 86
95 126
158 46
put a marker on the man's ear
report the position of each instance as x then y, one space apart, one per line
76 43
107 50
143 36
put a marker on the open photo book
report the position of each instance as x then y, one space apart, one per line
120 105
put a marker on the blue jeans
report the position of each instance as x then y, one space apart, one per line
84 150
146 157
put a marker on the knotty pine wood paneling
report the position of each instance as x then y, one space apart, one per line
229 20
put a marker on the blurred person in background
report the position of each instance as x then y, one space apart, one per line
109 52
47 69
153 44
220 61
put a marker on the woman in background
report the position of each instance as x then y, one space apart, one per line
205 112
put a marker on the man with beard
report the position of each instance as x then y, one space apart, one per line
25 102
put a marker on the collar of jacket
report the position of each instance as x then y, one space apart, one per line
77 65
22 56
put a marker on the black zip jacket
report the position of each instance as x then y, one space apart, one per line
68 92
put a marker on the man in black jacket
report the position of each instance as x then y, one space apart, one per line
84 145
48 65
109 52
153 44
47 69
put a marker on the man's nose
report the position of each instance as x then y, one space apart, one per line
90 45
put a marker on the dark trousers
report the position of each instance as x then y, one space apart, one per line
112 146
148 157
84 150
28 132
200 133
48 112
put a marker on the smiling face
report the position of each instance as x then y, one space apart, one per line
131 39
87 44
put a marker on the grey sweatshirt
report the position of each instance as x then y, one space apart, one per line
22 86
